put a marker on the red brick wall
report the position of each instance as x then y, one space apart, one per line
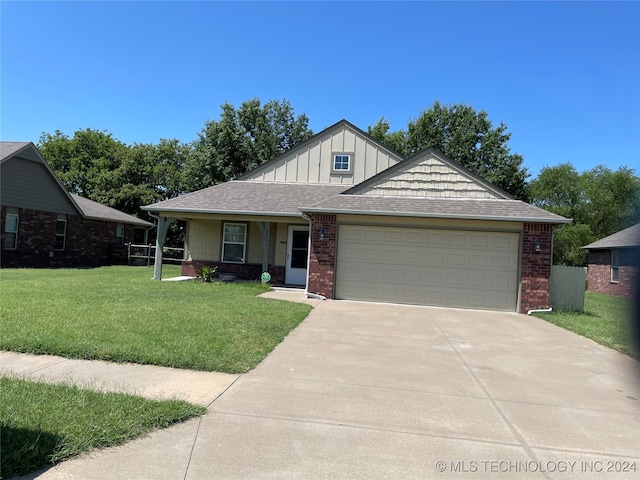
536 266
599 273
89 243
243 271
323 254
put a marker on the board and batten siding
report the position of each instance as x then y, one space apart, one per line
204 241
428 177
313 162
28 184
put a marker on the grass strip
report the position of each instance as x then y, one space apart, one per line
43 424
606 320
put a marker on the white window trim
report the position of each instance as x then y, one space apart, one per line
615 265
342 171
63 235
244 244
12 232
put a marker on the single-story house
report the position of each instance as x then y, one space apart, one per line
614 262
348 218
43 225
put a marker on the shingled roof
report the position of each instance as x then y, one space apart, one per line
249 197
629 237
97 211
467 208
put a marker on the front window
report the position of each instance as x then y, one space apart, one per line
61 233
342 163
234 242
120 235
11 231
615 258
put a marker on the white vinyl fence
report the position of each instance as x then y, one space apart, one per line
567 288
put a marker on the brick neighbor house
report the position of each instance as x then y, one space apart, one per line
348 218
43 225
614 263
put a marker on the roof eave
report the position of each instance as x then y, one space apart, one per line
221 212
436 215
607 247
141 223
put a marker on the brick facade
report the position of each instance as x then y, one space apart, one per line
599 272
88 243
536 266
322 258
243 271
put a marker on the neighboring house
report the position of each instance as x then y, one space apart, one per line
348 218
43 225
614 263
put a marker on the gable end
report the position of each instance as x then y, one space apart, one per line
429 174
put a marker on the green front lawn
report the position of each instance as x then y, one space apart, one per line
119 314
607 320
42 424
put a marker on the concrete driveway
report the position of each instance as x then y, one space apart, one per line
362 390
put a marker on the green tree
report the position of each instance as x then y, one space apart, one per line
463 135
242 139
599 201
96 166
84 163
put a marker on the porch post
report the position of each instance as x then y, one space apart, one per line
265 229
163 227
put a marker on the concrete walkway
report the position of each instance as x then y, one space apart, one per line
375 391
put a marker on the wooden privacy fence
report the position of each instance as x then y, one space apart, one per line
567 288
146 254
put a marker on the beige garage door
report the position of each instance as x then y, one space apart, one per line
428 267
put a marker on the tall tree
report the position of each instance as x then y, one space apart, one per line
242 139
599 201
96 166
84 163
463 135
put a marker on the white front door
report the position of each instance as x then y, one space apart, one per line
297 255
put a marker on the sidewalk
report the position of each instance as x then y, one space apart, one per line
158 383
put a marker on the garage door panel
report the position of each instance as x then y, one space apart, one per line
432 267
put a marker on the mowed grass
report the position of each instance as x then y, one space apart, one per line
43 424
610 321
119 314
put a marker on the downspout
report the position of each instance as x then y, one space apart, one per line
541 310
306 284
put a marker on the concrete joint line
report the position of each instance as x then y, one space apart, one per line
365 427
47 366
510 426
195 438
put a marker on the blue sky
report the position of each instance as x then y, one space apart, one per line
563 76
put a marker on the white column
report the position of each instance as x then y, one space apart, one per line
265 229
163 227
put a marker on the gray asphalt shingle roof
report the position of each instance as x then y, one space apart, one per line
488 209
95 210
629 237
251 197
290 199
7 149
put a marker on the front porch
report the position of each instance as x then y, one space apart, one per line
242 246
